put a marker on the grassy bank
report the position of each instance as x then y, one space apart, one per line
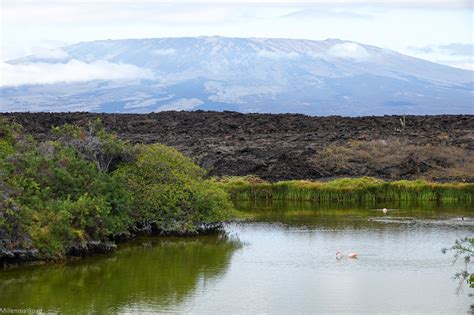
364 189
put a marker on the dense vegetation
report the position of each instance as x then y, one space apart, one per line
362 189
87 187
162 178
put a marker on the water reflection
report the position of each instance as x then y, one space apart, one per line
357 216
152 272
286 265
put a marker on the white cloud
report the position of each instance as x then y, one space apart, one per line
349 51
277 54
461 64
453 49
164 52
464 65
181 104
425 3
140 103
458 55
53 54
128 12
72 71
328 13
235 94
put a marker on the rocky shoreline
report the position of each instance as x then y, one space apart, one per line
11 258
24 257
275 147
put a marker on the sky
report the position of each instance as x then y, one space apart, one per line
436 30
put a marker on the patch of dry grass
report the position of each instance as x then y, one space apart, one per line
395 159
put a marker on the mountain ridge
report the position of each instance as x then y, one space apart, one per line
274 75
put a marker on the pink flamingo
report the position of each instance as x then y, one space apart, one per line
351 255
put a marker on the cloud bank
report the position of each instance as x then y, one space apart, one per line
425 3
181 104
453 49
458 55
349 51
72 71
52 54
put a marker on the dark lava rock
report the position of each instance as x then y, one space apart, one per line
90 248
274 147
16 256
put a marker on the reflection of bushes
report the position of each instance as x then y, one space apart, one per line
331 215
395 159
160 271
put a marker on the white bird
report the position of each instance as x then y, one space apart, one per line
384 210
339 255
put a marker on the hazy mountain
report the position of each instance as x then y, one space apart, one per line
245 74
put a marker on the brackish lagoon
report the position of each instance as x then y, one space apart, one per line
280 260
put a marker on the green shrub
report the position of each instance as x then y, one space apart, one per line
81 188
169 193
60 199
95 144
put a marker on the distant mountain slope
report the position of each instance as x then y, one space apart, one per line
329 77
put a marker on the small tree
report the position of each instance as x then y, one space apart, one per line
463 249
96 145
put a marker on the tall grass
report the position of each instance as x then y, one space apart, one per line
364 189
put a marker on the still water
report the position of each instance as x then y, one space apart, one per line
282 260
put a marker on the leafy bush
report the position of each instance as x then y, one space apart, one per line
81 188
96 145
463 249
61 199
169 193
14 220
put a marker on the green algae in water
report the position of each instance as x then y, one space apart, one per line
163 270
